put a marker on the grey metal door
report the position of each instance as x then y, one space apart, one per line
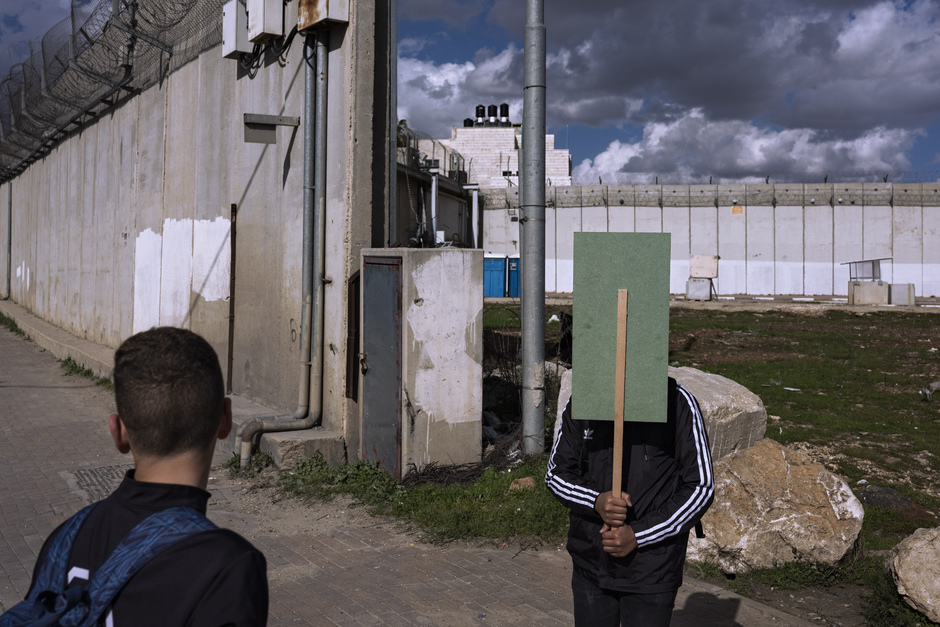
381 363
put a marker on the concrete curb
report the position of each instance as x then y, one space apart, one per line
285 448
98 358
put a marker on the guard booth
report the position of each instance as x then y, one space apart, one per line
421 365
865 284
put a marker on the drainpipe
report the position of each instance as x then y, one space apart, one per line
310 403
532 226
392 222
474 190
7 285
434 185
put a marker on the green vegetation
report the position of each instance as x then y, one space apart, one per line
483 508
72 367
257 463
11 325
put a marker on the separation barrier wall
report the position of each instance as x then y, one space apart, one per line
772 239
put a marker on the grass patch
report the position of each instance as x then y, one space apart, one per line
11 325
483 508
884 607
72 368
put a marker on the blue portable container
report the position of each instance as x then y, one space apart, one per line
494 277
514 278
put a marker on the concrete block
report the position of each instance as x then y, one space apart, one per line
901 294
791 194
816 194
621 195
868 293
876 193
289 447
853 194
909 195
698 289
648 195
732 195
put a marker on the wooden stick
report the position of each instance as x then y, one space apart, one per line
619 391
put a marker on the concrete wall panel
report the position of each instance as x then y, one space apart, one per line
817 246
6 273
594 219
649 220
551 250
676 223
89 235
569 223
908 246
760 250
125 223
75 197
732 248
104 232
703 231
847 244
788 250
877 234
622 219
931 251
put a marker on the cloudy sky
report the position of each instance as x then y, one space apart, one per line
680 89
687 90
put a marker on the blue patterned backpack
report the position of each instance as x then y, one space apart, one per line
52 604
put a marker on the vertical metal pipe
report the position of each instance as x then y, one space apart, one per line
7 282
434 191
319 236
310 79
392 221
533 227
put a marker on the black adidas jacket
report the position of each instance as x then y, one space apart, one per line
668 475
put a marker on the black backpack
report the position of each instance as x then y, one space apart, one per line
51 603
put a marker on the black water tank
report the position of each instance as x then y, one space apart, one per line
467 122
491 117
481 113
504 114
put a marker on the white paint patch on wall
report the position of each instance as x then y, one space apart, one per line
148 250
176 278
442 319
212 258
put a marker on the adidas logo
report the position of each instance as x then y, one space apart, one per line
589 434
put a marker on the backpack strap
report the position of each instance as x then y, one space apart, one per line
144 542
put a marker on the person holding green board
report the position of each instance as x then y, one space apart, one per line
628 550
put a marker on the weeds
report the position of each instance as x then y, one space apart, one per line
11 325
74 368
482 508
257 463
884 607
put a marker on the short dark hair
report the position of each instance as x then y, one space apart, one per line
169 391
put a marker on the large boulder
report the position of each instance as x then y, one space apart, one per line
735 417
916 569
773 505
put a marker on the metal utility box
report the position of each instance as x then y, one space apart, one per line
311 13
865 284
703 266
265 20
422 354
235 30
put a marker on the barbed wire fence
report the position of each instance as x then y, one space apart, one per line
102 53
797 176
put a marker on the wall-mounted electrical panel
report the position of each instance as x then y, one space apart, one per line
235 30
265 20
313 13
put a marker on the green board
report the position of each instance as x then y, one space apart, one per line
603 264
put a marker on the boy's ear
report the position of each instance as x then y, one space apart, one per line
225 427
119 434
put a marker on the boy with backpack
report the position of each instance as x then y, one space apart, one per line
628 551
146 555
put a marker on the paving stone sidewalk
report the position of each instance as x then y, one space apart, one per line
57 456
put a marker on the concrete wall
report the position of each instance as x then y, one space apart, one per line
128 224
786 239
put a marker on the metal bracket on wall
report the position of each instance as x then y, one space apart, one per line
262 129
